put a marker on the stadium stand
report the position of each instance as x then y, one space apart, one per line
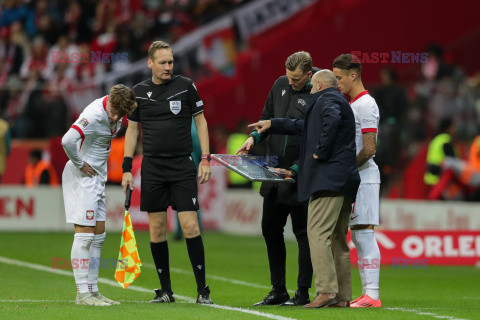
224 45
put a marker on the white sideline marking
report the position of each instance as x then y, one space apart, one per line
425 313
29 300
232 281
187 299
137 288
67 301
254 285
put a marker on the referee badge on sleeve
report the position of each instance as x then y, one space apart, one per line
175 106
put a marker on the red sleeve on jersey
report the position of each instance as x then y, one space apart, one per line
369 130
79 131
82 135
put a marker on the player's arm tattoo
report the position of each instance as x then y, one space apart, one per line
369 148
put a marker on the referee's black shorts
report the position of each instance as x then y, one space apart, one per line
169 182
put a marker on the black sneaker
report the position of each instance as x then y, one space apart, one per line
274 297
163 296
299 299
204 296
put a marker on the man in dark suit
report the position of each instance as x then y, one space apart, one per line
328 175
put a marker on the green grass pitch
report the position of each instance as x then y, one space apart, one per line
237 272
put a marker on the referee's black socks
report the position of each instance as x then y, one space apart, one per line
197 258
160 257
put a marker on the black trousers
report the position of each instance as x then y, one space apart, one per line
274 219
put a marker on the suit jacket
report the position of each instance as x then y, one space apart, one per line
328 131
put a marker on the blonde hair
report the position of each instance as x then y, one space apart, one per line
122 99
301 59
157 45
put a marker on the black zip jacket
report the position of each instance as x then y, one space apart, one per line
283 102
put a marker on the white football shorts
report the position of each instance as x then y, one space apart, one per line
365 209
83 196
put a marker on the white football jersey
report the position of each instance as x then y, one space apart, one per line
96 133
367 118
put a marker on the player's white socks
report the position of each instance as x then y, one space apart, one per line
81 260
353 233
95 263
369 254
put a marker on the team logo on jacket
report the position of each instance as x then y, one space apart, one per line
90 214
302 102
83 122
175 106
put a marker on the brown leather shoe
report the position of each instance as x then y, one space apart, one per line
341 304
322 300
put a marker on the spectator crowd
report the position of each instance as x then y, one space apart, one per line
46 50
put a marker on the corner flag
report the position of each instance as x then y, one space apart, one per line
128 266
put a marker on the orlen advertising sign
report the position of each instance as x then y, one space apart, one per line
432 247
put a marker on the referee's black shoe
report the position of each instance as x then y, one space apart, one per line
204 296
274 297
299 299
163 296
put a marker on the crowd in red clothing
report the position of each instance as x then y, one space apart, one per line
34 33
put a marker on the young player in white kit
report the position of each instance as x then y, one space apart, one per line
365 212
87 144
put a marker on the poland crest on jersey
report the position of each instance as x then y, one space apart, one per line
90 214
175 106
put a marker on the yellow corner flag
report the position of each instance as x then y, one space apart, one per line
128 267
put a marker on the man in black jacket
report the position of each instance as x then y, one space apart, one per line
287 99
328 175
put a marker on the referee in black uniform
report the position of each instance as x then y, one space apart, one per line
286 99
166 105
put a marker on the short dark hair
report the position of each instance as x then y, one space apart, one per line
301 59
348 62
445 125
436 50
36 154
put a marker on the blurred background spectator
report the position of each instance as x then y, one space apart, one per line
234 142
392 103
4 145
39 171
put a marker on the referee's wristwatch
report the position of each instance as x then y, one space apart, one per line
206 157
